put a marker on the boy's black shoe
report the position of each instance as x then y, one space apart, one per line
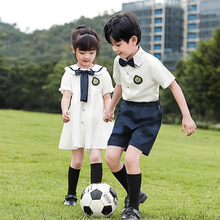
141 199
131 214
70 200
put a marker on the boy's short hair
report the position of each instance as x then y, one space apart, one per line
122 27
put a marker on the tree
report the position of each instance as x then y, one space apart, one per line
51 86
199 75
3 77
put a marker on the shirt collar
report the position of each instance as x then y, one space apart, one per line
138 57
96 68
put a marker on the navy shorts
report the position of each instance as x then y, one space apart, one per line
137 124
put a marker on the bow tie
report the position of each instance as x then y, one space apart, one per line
123 62
84 82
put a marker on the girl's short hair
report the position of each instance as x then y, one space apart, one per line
86 39
122 27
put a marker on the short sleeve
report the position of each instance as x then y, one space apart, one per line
66 82
116 72
106 83
162 75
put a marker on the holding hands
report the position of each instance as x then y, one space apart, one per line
108 116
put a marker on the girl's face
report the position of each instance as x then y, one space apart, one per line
125 50
84 58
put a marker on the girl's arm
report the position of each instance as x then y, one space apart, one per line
187 121
109 114
107 100
65 105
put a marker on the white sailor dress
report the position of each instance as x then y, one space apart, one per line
86 128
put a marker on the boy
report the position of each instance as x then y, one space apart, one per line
138 76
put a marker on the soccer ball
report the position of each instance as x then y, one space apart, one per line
99 200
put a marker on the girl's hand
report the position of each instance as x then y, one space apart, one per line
66 116
108 116
189 125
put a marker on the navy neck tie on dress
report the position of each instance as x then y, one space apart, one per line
84 82
123 62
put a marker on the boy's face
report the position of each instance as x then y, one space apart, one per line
125 50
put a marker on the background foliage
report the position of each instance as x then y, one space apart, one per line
31 67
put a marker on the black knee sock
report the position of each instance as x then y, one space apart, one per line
73 177
134 186
96 173
121 176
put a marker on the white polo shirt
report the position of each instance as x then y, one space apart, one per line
141 84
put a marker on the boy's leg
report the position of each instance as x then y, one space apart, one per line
112 158
132 158
96 166
121 176
73 176
134 185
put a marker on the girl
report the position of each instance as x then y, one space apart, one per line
86 89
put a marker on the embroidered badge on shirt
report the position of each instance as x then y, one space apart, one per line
137 79
95 81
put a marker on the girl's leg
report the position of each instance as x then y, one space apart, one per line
74 170
96 165
132 158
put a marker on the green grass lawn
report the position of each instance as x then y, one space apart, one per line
181 175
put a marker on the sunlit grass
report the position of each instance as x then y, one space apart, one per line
180 177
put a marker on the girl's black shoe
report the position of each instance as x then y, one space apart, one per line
70 200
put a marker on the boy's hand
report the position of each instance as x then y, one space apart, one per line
189 125
66 116
108 116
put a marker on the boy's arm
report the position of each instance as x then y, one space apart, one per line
65 105
187 121
109 114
